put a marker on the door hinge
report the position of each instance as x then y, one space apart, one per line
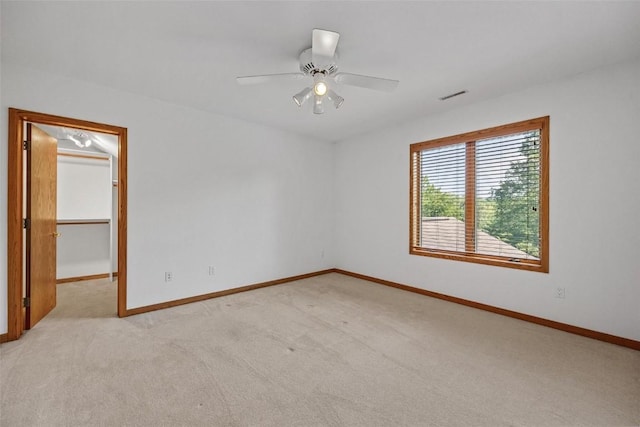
26 145
26 302
26 223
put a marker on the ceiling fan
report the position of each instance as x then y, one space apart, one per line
320 63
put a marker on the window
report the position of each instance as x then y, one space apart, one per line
483 196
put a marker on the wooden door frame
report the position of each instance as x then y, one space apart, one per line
15 195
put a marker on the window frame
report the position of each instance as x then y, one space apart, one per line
540 265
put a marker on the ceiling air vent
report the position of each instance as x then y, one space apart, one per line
444 98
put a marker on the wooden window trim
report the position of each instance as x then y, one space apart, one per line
469 138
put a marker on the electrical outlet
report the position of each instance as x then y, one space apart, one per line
212 270
560 292
168 276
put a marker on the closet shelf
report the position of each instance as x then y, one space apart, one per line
83 221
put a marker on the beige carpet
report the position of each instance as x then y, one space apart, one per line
326 351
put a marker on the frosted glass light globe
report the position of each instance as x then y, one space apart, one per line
320 88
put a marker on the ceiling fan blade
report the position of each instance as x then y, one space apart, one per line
367 82
265 78
323 46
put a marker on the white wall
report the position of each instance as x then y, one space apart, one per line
203 190
84 192
82 250
84 188
594 204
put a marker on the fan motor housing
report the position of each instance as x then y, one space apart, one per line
309 68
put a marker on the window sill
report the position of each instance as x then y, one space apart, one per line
538 266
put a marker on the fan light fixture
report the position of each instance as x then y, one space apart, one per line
335 98
320 63
320 88
319 91
302 97
318 108
81 139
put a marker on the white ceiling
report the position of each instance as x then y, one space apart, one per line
102 142
189 53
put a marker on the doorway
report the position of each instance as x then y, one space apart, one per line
19 184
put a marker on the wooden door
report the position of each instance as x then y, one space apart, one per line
42 167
